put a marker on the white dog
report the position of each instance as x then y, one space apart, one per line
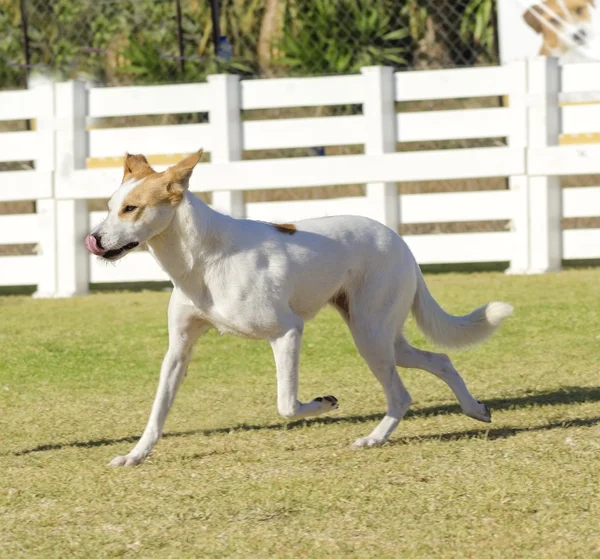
565 26
264 281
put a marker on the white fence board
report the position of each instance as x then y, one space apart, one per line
19 270
577 78
458 248
457 206
581 119
415 208
453 125
17 229
52 143
296 210
20 146
91 184
581 244
453 84
321 171
96 218
150 140
581 201
564 160
356 169
303 132
18 105
137 266
302 92
149 100
25 185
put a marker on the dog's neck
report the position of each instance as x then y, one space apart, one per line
196 236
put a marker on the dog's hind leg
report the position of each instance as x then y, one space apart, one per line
376 347
440 365
286 350
184 329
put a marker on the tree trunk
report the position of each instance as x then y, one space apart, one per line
270 33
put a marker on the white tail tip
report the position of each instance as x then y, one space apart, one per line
496 312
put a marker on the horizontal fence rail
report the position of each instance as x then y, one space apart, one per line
452 84
361 118
320 171
301 92
149 100
150 140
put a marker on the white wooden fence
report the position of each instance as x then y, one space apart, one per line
532 160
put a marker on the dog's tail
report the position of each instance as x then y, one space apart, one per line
455 331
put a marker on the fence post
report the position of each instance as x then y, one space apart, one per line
380 123
226 129
46 208
519 184
545 196
72 215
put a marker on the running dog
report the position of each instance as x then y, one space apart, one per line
264 281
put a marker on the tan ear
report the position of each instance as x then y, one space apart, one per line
531 17
178 176
182 172
136 165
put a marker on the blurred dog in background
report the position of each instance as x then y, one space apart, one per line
565 26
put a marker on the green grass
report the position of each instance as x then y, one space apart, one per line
232 479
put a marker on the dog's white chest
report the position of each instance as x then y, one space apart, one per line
248 320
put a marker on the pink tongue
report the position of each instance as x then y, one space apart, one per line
92 245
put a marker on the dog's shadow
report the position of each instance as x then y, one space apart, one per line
563 396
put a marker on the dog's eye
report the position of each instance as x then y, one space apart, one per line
579 11
129 209
554 21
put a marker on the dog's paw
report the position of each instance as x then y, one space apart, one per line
368 442
327 403
481 412
128 460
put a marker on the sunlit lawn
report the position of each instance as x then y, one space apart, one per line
231 479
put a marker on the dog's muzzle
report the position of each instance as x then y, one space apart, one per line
92 243
580 37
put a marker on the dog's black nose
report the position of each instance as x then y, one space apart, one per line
580 37
98 243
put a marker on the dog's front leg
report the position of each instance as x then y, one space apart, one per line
184 330
286 350
171 374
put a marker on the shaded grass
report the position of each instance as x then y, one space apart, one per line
231 479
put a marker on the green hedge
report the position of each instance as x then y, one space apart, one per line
135 41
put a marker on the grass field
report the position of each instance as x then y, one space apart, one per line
232 479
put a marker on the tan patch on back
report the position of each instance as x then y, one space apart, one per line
285 228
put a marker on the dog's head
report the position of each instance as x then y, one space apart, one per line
556 19
142 207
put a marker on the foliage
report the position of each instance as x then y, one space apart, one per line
131 41
417 14
456 32
10 45
477 24
135 41
341 36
